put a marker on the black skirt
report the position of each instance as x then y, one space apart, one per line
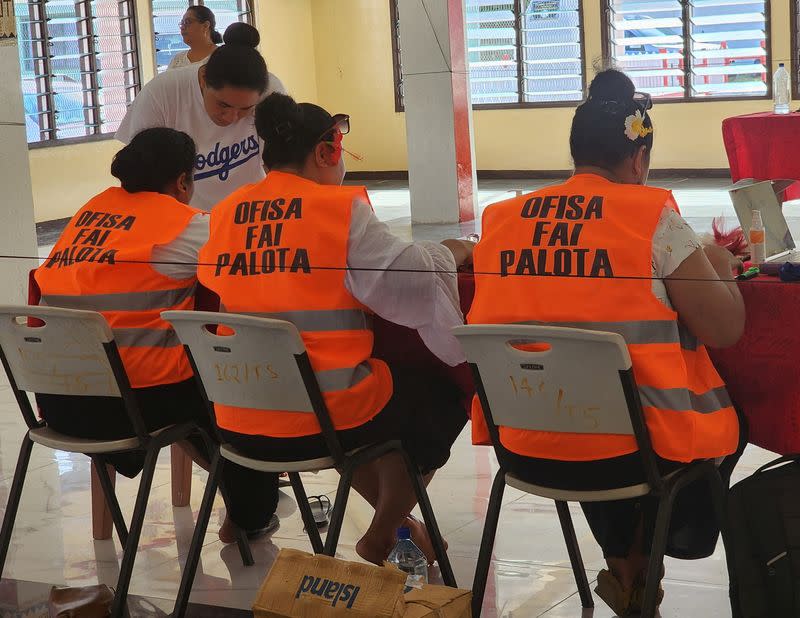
426 414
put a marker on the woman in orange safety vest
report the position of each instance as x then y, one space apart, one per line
603 251
300 247
130 253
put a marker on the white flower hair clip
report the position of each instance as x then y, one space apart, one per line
634 127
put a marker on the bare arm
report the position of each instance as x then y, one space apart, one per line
704 293
461 250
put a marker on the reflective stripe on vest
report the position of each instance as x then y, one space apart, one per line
636 332
146 337
318 321
340 379
128 301
683 399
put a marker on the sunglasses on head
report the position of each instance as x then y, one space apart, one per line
643 100
340 126
340 122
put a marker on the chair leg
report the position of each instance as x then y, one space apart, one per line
305 511
119 608
196 546
339 508
102 520
242 542
487 542
720 500
14 497
181 475
657 550
430 521
112 504
574 551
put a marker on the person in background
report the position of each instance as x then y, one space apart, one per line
213 103
312 220
131 253
198 30
603 251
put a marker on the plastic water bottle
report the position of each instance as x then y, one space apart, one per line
781 90
410 559
758 247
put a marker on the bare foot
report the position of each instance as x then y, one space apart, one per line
422 538
372 551
227 532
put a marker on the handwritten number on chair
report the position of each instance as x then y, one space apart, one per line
245 372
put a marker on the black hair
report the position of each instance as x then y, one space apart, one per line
205 14
598 135
238 63
153 159
290 130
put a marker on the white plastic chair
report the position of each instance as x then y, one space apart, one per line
57 351
273 372
578 382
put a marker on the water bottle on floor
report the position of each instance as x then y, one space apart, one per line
781 90
410 559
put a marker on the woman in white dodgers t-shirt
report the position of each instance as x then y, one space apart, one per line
214 105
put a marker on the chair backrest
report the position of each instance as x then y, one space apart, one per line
563 380
59 352
256 366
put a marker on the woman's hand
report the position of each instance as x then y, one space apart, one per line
461 250
723 261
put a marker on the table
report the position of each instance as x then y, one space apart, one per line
764 147
761 370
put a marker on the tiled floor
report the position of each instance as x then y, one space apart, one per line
530 575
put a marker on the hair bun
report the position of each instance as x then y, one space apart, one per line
278 117
239 33
611 85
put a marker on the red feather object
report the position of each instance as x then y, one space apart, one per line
733 240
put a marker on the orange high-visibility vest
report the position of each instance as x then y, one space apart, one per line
278 249
101 263
579 255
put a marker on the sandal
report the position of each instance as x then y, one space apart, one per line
283 480
320 509
624 603
613 594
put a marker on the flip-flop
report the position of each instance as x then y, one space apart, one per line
320 509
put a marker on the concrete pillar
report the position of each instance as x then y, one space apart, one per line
441 161
17 228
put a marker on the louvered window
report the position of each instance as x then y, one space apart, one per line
79 64
691 49
521 53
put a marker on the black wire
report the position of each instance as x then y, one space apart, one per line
394 270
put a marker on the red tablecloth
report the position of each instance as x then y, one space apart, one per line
761 371
764 147
402 347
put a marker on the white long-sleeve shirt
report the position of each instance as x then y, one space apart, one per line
426 301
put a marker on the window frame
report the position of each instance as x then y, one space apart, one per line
250 12
605 26
394 25
46 77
